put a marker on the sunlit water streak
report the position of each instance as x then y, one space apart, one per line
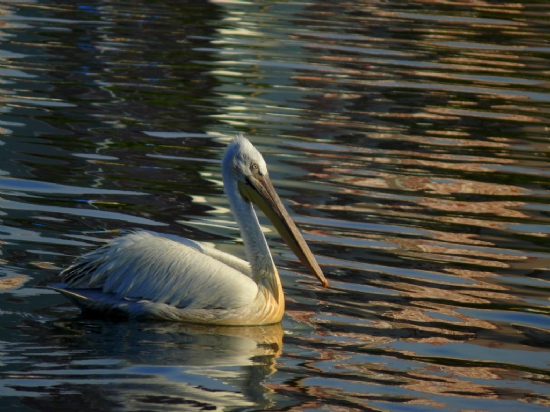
408 140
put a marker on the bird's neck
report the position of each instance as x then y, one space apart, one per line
257 250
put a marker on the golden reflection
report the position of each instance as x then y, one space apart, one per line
472 274
429 249
449 186
12 282
451 387
502 208
490 115
453 186
268 339
45 265
460 238
447 293
420 317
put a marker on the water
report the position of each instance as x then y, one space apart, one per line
409 141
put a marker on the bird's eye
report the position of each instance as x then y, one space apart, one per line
254 167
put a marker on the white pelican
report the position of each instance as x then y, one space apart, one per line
147 275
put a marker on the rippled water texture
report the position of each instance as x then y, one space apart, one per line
409 140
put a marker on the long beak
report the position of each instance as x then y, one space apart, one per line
260 191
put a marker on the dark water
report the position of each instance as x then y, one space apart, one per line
409 139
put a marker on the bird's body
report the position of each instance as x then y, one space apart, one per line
152 276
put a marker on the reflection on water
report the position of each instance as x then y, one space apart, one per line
408 139
150 364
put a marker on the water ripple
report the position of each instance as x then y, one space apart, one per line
407 139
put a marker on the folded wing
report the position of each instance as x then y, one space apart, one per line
171 270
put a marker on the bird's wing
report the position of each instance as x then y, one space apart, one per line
175 271
232 261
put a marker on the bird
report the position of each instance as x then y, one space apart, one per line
147 275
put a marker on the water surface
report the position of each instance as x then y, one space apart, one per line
409 141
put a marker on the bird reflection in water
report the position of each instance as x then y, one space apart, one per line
152 365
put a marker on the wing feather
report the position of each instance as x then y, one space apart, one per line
171 270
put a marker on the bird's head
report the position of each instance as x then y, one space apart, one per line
243 160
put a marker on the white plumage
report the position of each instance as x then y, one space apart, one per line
147 275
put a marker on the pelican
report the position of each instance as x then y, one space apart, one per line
145 275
